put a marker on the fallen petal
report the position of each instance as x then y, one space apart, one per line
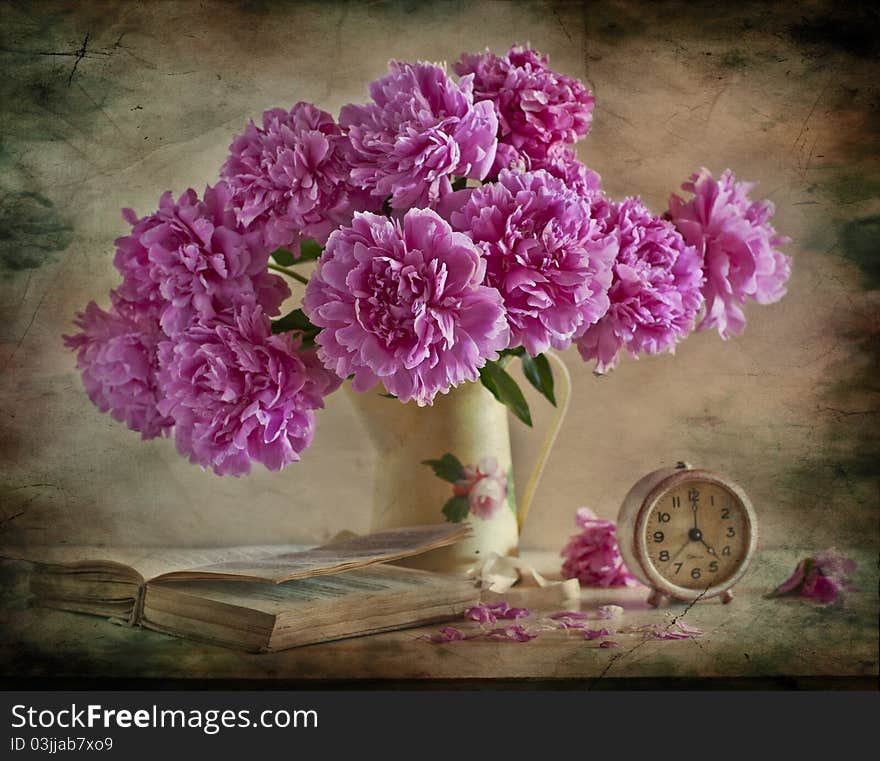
503 610
575 615
446 634
514 632
481 614
595 633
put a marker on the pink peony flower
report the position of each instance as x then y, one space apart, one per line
421 129
655 293
737 243
290 177
117 353
238 394
403 303
592 556
562 163
822 577
191 259
537 108
546 255
485 486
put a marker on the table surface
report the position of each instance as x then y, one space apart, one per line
753 640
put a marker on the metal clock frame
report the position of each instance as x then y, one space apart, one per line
657 581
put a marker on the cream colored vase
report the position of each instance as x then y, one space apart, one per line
471 425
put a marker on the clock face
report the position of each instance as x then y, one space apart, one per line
697 534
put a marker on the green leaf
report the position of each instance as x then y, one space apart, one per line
448 467
503 387
511 490
538 372
297 320
284 257
388 396
517 352
459 183
309 250
456 509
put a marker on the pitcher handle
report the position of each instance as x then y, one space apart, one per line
563 395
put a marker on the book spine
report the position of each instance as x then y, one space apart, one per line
137 610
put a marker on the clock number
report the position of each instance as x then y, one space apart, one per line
658 537
678 567
711 499
725 513
726 550
664 517
695 573
731 531
713 566
676 501
664 556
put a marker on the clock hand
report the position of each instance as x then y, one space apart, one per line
680 550
709 549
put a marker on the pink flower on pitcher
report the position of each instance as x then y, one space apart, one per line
484 485
476 489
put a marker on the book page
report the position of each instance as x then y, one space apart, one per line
141 562
335 557
257 617
297 597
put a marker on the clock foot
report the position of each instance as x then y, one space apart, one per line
656 599
726 596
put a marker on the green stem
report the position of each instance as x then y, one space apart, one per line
289 273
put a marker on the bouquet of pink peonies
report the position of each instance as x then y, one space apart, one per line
454 230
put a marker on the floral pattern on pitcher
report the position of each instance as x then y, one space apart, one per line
478 490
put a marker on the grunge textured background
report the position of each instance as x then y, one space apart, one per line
108 104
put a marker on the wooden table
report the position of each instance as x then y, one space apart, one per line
751 642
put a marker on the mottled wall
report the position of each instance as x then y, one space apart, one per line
107 104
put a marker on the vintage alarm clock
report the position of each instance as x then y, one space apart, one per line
687 534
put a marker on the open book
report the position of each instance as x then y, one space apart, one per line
257 598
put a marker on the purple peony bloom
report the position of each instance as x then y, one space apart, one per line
822 577
290 177
738 245
546 255
537 107
238 394
655 294
563 164
592 556
403 303
117 353
421 129
191 259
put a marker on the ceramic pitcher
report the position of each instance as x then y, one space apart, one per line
466 433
